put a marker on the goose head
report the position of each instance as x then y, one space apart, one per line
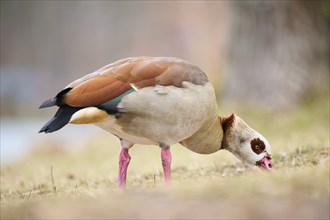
246 143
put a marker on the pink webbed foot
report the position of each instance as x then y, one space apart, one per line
166 162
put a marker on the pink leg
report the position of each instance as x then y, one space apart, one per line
166 162
124 159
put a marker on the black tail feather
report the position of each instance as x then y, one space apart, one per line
61 118
48 103
57 100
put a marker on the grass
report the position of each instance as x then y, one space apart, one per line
55 183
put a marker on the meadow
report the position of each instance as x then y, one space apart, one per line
54 183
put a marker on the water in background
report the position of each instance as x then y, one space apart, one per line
18 137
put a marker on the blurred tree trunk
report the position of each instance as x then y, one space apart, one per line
279 51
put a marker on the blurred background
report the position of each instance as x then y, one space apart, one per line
271 55
268 61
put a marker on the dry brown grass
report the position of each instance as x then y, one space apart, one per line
82 183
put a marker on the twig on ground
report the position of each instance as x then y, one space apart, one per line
52 176
29 194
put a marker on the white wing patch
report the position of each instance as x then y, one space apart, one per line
134 87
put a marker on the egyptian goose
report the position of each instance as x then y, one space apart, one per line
157 101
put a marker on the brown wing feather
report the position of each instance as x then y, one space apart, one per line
116 78
96 91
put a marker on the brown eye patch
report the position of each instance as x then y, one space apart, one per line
257 145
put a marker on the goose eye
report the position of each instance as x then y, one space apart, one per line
258 146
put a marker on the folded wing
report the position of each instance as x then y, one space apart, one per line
131 73
106 87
